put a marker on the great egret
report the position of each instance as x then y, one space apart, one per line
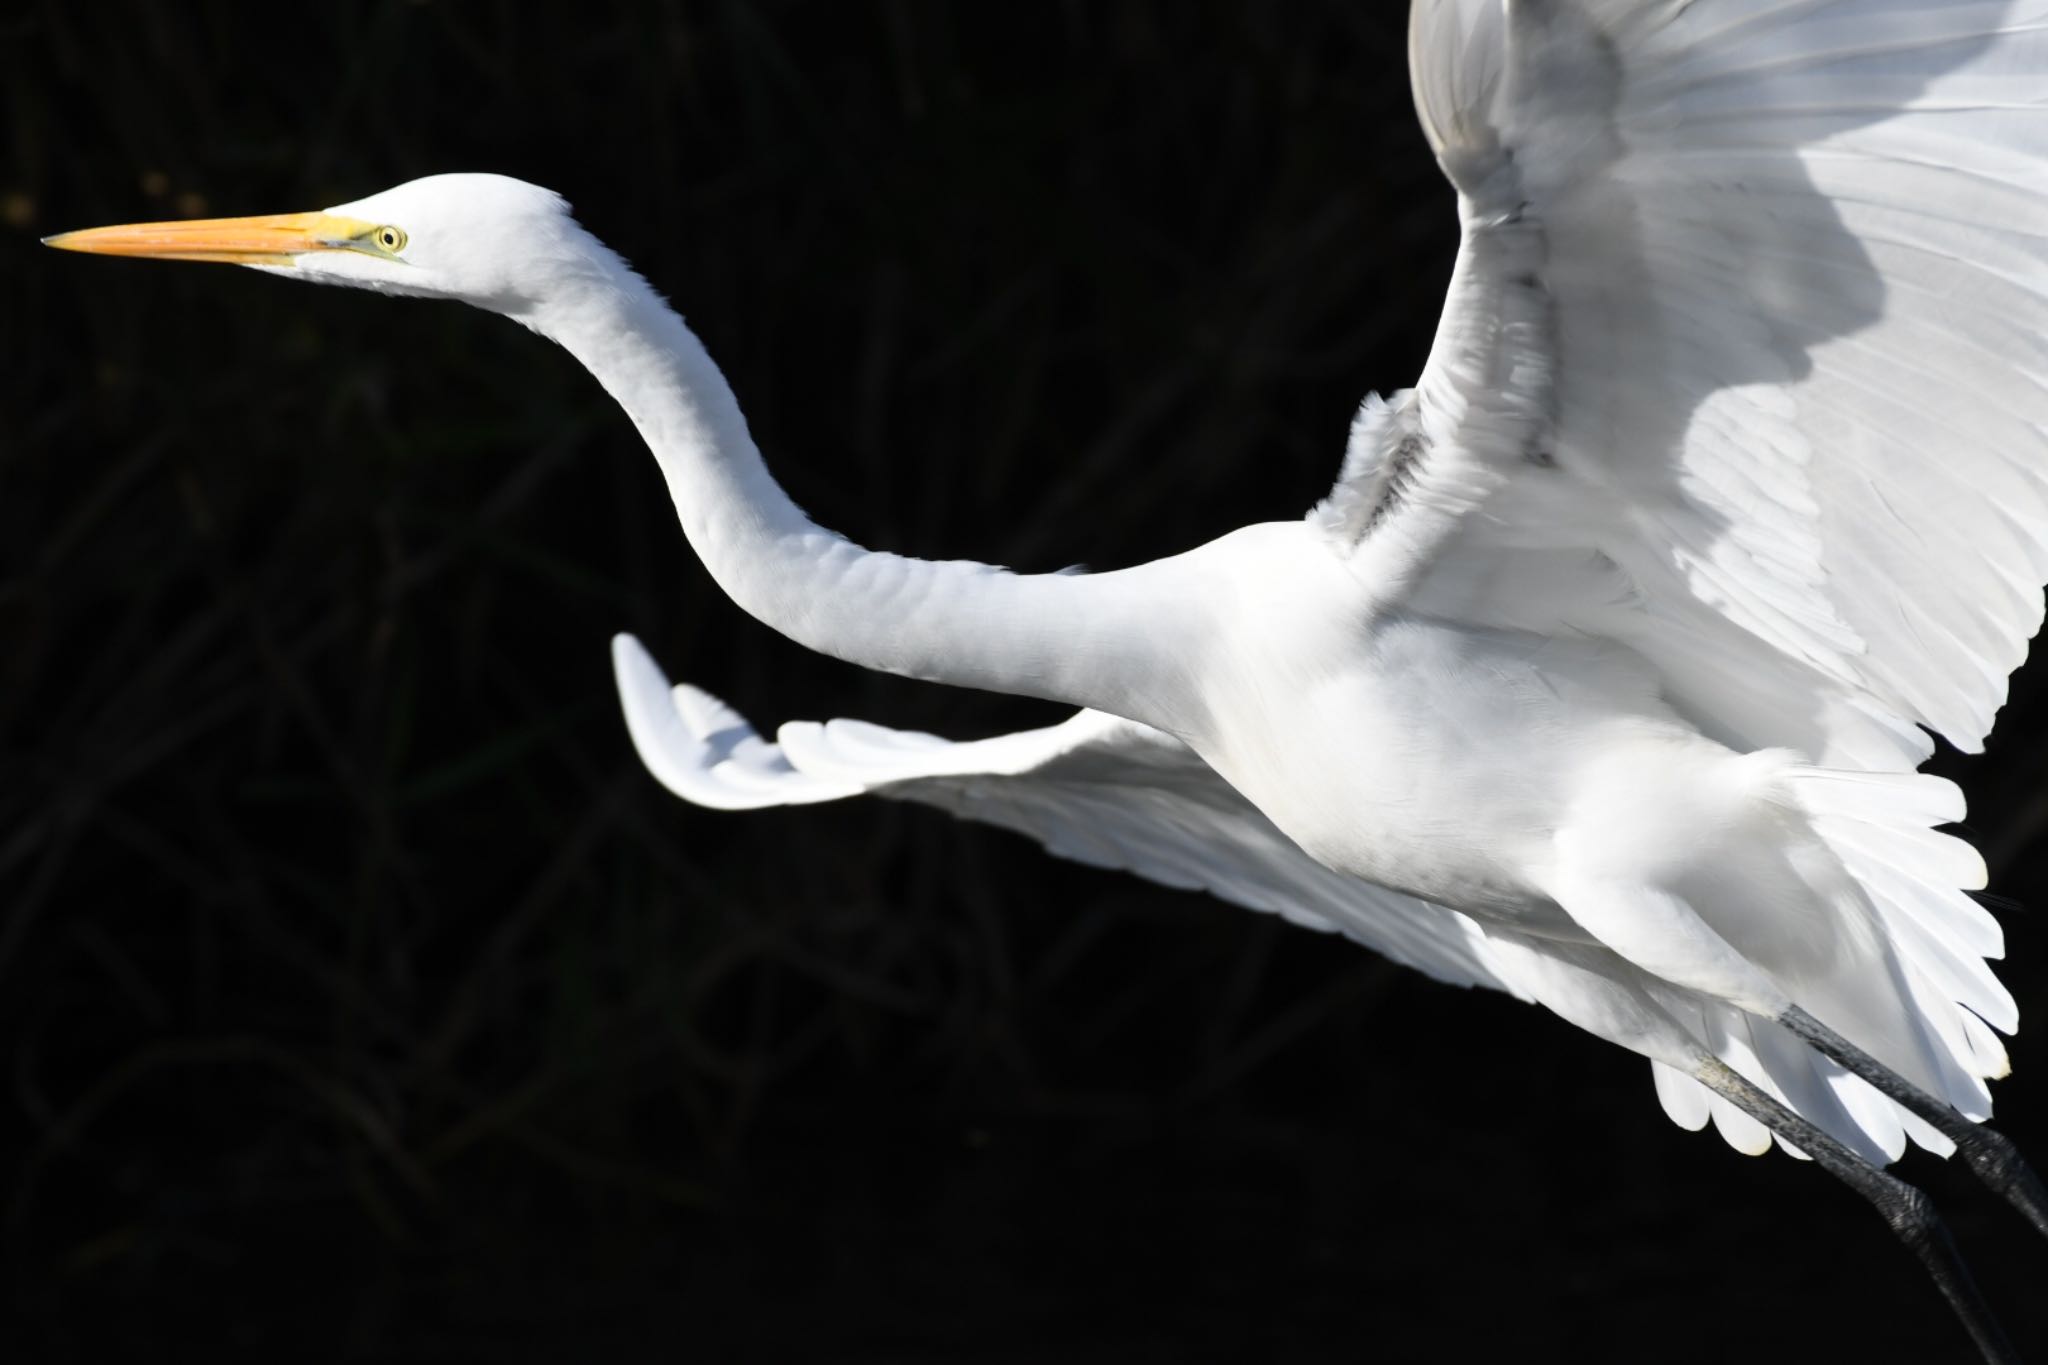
1599 676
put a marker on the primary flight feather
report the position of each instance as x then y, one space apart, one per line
1601 675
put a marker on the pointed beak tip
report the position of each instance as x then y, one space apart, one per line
79 239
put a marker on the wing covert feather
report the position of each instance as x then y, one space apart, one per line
1792 275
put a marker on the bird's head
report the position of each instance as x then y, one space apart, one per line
485 239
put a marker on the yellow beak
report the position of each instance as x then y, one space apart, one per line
268 239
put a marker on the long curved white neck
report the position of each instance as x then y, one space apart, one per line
1074 638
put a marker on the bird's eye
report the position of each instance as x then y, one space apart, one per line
389 238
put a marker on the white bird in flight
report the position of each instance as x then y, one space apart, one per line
1602 674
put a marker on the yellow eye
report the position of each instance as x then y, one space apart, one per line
389 238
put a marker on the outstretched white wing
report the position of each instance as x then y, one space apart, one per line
1099 790
1746 357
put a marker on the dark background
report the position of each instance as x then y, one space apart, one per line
360 996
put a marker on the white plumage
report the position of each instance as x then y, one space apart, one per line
1100 790
1601 675
1713 255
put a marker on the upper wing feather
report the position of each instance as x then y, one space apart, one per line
1746 356
1097 789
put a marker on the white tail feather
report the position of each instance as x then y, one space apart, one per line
1879 825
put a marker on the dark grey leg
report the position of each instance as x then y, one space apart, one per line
1990 1154
1908 1211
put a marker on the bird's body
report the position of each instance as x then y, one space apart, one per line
1394 724
1599 677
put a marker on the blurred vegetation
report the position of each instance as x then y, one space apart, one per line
362 998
